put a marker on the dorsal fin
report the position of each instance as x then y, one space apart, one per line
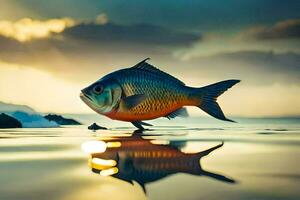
150 68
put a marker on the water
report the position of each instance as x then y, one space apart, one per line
181 159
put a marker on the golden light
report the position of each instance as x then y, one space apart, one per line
101 164
26 29
162 142
113 144
30 86
94 147
109 172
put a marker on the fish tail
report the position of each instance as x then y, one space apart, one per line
197 156
208 151
207 98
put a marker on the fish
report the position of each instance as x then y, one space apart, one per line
141 160
144 92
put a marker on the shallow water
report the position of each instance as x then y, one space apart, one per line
254 159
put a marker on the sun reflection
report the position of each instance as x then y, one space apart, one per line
94 147
104 163
109 172
113 144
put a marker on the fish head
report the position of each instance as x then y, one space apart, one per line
103 96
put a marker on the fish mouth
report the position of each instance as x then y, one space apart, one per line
89 102
84 96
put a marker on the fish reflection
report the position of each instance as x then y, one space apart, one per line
143 160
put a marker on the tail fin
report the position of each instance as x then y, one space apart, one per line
208 96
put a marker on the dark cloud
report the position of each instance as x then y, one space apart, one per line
76 60
92 47
281 30
254 67
8 44
142 34
182 15
88 51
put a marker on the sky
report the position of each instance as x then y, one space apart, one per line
50 50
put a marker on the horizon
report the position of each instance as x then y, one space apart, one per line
201 114
48 54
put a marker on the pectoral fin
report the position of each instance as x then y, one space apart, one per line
181 112
133 100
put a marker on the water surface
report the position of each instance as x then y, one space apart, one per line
254 159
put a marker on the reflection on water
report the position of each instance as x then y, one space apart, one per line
170 162
135 158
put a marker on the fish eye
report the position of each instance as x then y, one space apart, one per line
98 89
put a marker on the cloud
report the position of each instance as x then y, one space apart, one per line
88 50
89 59
141 34
93 46
101 19
282 30
184 15
68 34
252 67
27 29
96 30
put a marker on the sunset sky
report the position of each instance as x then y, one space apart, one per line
50 50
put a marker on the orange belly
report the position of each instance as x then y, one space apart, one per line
146 114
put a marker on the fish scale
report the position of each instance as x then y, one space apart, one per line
163 94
